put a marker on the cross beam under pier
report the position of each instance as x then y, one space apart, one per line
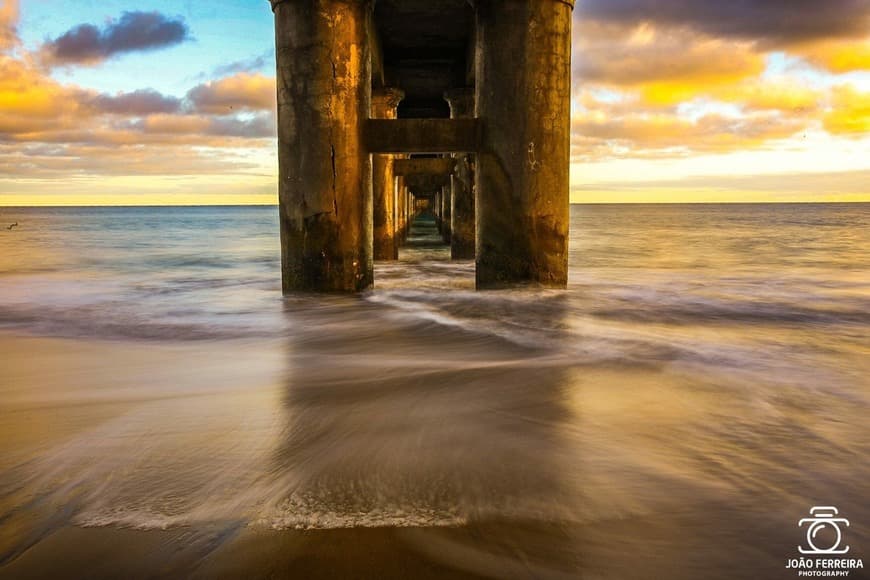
421 135
442 166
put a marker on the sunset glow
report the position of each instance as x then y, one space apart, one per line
125 103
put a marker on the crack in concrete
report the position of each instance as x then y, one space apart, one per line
334 179
332 143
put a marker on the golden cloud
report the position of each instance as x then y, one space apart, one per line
126 133
849 113
666 66
838 56
233 93
8 23
40 160
25 92
626 128
786 95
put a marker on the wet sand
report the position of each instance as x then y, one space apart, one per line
645 548
634 502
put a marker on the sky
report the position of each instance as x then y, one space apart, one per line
172 102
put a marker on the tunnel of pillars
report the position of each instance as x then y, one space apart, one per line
456 109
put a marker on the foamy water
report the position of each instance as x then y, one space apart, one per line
706 363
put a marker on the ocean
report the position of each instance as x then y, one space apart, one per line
702 383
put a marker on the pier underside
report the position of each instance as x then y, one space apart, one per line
392 108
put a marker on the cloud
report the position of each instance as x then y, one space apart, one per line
668 66
50 128
139 102
71 159
808 182
849 114
653 89
87 44
771 22
785 95
607 130
26 94
838 56
252 64
8 24
619 40
259 126
243 91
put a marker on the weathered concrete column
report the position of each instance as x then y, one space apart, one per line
409 211
398 185
523 91
386 245
446 206
397 222
402 222
325 184
462 224
436 210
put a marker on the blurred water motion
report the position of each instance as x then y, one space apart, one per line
702 383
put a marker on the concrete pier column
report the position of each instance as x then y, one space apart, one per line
436 210
397 221
325 179
462 224
523 91
386 245
446 205
403 214
409 211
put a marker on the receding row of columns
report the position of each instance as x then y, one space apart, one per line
389 192
342 206
461 204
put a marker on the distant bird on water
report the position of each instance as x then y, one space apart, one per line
15 225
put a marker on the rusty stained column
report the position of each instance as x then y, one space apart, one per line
386 243
523 91
325 184
462 224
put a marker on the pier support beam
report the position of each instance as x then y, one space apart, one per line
523 88
386 243
462 225
325 185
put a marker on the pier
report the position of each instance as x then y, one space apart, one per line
387 108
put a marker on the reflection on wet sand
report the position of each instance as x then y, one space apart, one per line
384 430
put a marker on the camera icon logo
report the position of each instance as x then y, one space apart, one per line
823 534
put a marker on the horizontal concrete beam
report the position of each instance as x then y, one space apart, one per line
421 135
426 166
426 182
